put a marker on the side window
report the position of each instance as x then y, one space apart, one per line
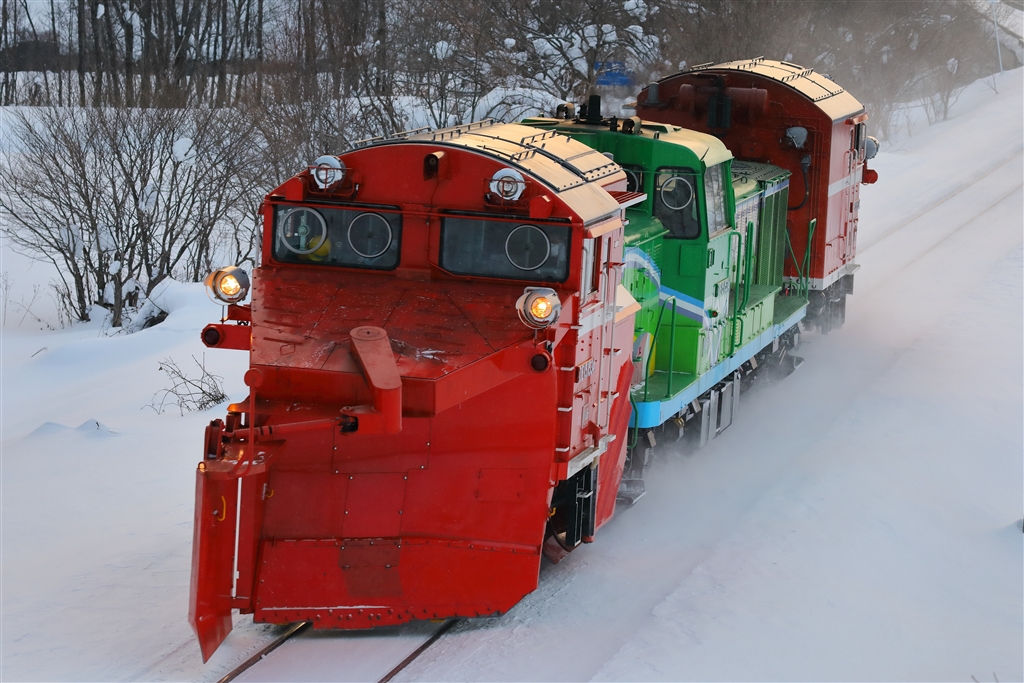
337 237
634 177
512 250
714 191
860 137
676 203
591 263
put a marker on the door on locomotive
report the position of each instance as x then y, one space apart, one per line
437 384
778 113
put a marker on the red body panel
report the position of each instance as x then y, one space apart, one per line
768 98
405 429
459 501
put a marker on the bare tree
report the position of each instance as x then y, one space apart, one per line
121 199
50 196
693 33
957 34
559 52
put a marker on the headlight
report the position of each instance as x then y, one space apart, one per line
870 148
227 285
327 171
539 307
507 185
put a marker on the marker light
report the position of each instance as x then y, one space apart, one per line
227 285
538 307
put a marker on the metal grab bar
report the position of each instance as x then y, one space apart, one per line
654 342
672 349
735 299
749 269
803 274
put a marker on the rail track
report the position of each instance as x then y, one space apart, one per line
1012 158
339 656
264 651
360 655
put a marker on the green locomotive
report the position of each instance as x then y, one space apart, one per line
704 253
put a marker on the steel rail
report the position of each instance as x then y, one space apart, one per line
298 627
997 166
445 627
292 630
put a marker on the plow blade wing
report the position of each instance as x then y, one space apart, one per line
213 550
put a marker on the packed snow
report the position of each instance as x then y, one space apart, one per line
860 521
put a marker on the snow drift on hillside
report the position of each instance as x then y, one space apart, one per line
858 522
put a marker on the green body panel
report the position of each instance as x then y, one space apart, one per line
701 298
690 350
770 183
758 315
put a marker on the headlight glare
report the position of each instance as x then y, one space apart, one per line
227 285
538 307
541 307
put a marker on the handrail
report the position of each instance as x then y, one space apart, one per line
654 341
807 256
672 349
803 275
636 422
735 299
799 274
749 268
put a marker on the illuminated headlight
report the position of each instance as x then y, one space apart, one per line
227 285
539 307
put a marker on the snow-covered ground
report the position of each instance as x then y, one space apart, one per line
860 521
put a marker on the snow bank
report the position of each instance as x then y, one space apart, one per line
859 521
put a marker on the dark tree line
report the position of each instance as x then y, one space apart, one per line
451 54
159 124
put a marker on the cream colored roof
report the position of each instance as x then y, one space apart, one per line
575 172
708 148
830 97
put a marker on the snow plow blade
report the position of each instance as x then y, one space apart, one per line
213 547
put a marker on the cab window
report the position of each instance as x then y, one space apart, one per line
676 202
714 190
509 250
337 237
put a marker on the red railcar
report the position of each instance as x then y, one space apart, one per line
439 369
783 114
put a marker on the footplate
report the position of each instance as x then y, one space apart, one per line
630 491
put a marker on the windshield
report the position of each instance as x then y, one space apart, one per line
676 203
512 250
337 237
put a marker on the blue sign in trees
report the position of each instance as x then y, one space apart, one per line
612 74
